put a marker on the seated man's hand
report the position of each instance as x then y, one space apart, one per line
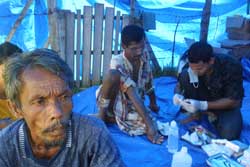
177 99
154 107
153 135
192 105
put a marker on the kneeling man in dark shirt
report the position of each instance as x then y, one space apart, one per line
212 83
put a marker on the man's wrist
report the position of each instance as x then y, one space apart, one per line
177 99
203 105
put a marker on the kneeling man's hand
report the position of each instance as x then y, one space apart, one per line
177 99
192 105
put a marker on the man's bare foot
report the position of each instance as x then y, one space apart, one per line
153 134
156 139
154 108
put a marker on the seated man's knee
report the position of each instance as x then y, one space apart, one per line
111 84
230 129
112 78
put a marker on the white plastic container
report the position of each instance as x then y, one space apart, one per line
182 158
173 137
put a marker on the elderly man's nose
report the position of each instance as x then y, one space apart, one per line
55 110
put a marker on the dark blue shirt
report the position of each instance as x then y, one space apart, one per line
225 81
88 144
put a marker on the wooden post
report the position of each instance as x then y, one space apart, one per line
205 20
18 21
117 31
173 49
125 20
78 46
86 42
70 39
108 38
52 18
132 12
60 34
152 55
98 38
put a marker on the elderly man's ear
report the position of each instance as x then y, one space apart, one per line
16 111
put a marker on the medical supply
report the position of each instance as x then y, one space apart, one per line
173 137
182 158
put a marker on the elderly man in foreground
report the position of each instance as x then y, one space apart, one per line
39 85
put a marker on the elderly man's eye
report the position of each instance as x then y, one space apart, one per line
65 98
40 101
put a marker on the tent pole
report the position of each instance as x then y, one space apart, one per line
132 12
52 18
205 19
18 21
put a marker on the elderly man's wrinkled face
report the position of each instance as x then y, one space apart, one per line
46 104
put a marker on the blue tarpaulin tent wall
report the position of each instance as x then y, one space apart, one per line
33 31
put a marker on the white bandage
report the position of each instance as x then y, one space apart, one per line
177 99
104 103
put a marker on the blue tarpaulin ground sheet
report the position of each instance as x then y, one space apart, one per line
138 151
245 61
